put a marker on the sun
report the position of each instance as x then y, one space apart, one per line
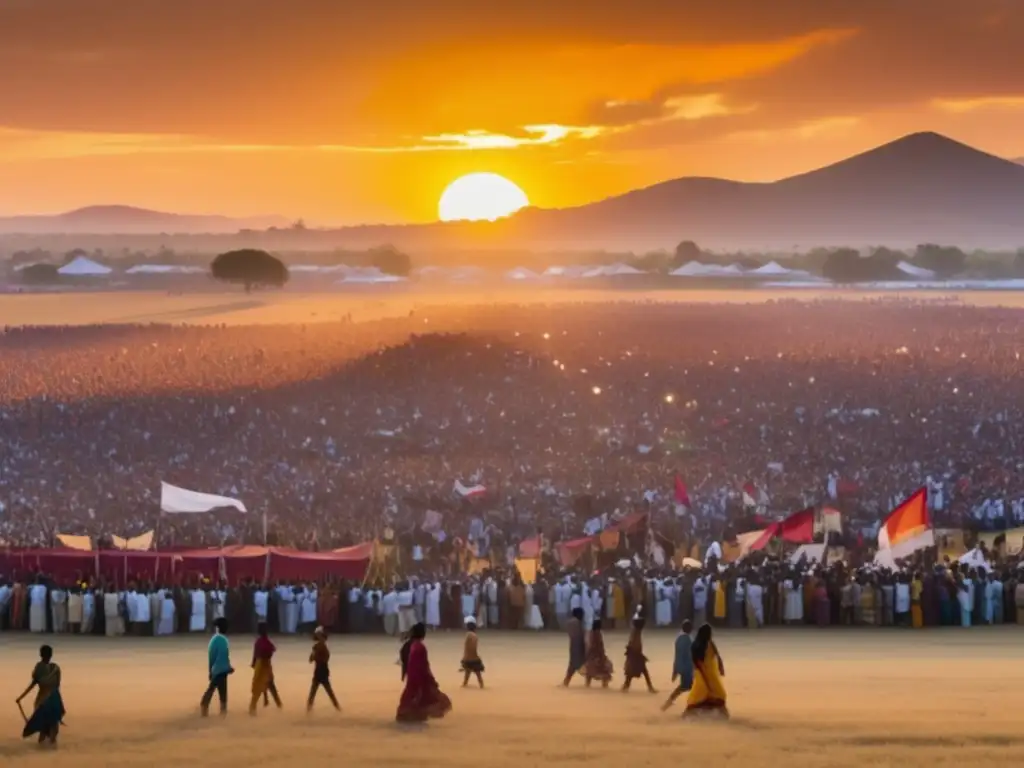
480 197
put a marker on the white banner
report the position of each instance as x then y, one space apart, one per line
140 543
175 501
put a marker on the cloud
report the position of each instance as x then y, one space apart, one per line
808 129
533 135
959 106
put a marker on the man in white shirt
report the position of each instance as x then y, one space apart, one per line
406 609
261 604
389 611
700 601
307 608
37 608
59 610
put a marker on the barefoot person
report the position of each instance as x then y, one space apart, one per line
320 657
597 666
422 698
48 711
682 667
218 654
263 670
708 692
636 662
577 645
471 662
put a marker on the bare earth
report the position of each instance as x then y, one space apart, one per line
798 698
236 308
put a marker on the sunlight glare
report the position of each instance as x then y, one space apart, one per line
480 197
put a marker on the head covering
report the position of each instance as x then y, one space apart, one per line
319 632
470 620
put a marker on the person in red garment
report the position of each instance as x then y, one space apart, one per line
421 699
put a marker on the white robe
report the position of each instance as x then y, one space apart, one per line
433 606
291 614
112 614
468 602
167 611
308 610
663 606
794 610
142 608
197 621
37 608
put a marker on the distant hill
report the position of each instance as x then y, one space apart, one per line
126 220
921 188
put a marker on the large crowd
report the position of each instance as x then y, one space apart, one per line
568 415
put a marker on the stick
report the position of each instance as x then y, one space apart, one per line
22 710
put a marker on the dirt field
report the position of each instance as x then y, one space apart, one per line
236 308
798 698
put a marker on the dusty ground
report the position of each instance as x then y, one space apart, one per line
235 308
799 698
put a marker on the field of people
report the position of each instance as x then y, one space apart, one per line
237 308
799 698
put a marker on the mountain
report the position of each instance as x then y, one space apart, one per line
921 188
123 219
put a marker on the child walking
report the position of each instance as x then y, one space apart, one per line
471 662
320 658
636 662
682 667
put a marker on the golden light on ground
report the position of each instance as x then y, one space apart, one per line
480 197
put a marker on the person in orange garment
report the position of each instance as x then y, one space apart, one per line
263 670
422 699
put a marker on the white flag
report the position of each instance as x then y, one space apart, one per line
175 500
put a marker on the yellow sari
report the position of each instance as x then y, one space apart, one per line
262 674
720 600
708 691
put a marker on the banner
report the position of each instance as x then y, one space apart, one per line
140 543
527 570
175 501
81 543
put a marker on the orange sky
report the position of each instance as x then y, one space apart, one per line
343 113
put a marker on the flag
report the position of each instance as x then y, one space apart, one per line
829 521
174 500
753 497
682 495
798 528
470 492
530 548
906 529
752 541
81 543
141 543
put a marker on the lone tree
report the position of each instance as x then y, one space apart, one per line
390 260
251 267
944 260
686 252
40 274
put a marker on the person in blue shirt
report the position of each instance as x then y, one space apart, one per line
682 668
220 668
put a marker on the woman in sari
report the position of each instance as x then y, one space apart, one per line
422 698
263 670
597 665
708 692
48 712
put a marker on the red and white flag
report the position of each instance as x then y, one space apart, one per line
471 491
749 494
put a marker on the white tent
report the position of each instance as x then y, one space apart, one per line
619 269
914 271
567 272
771 269
520 273
164 269
693 269
83 267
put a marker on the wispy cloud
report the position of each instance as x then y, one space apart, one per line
809 129
534 135
959 106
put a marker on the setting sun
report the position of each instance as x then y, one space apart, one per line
480 197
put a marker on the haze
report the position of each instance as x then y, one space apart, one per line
326 110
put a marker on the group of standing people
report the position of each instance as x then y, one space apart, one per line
698 666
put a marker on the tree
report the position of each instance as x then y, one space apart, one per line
686 252
390 260
40 274
943 260
251 267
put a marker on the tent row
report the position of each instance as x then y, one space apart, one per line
233 564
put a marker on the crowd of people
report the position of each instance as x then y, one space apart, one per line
562 418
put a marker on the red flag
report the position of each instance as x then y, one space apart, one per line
798 528
682 495
749 494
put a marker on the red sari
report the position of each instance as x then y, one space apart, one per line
421 699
